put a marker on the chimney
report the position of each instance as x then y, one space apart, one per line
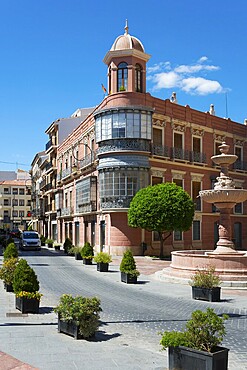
211 110
173 98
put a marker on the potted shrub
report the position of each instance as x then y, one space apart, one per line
26 288
49 242
87 253
205 285
77 252
7 273
128 270
102 259
78 316
198 346
43 240
57 247
67 245
11 251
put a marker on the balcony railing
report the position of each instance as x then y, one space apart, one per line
87 160
197 157
115 202
124 144
160 150
67 211
181 154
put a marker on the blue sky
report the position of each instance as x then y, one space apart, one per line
52 60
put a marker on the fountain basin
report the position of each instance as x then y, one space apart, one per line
229 196
231 268
224 159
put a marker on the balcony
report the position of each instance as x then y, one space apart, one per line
87 207
50 145
116 145
88 160
115 202
67 211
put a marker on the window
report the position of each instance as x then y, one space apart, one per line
21 214
239 152
14 191
123 124
177 235
21 202
14 202
178 140
196 187
6 191
122 77
156 237
196 230
157 136
6 202
216 148
157 180
15 214
21 191
178 182
138 78
196 144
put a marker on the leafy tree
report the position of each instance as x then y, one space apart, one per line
163 208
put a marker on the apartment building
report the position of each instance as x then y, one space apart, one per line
130 140
15 201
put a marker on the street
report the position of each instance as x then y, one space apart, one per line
132 316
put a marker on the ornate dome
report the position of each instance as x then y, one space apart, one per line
127 41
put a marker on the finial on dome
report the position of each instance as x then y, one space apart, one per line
126 27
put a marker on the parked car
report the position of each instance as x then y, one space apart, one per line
30 240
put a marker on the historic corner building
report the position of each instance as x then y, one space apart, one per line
130 140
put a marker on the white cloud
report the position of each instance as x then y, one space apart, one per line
200 86
185 77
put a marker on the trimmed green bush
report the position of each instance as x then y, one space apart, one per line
87 251
205 278
11 251
8 269
128 264
25 278
103 257
67 245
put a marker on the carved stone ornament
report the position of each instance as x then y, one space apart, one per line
197 131
157 173
178 127
219 138
159 123
239 142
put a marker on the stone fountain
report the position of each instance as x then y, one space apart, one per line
229 263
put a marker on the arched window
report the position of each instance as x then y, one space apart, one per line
138 78
122 77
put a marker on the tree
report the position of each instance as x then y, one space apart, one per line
163 208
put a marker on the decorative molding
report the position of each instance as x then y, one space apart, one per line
159 123
197 131
157 173
239 142
177 126
196 177
219 137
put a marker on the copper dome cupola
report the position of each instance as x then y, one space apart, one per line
126 62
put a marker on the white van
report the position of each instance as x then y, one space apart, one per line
30 240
